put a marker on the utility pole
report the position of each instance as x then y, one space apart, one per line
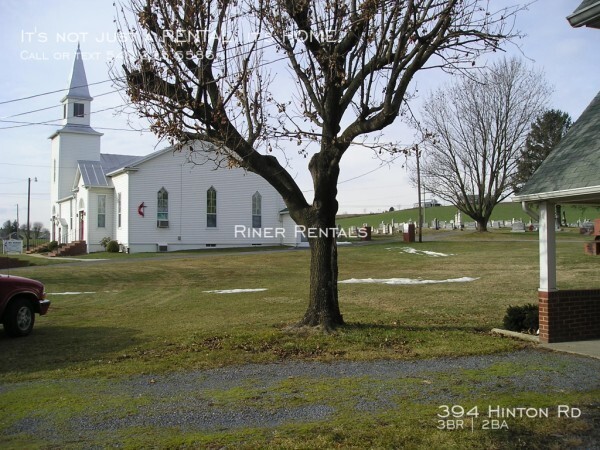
28 208
419 194
424 206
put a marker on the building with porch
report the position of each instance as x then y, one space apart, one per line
569 175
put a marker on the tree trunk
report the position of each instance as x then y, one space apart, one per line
558 216
323 308
482 225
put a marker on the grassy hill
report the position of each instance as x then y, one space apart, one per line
504 211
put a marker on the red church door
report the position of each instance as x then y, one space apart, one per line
81 225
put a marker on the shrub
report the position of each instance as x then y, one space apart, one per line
52 245
104 241
522 318
113 247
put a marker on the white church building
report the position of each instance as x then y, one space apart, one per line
158 202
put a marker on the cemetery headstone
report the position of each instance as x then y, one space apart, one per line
518 227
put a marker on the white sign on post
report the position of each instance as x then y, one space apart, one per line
13 246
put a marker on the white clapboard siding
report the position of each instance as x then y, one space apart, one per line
293 235
73 147
66 211
121 185
187 185
93 233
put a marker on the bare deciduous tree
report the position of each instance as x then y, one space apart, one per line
211 70
38 229
475 131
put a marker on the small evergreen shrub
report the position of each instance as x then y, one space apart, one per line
52 245
112 247
104 241
522 318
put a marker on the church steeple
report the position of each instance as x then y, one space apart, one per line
78 85
77 101
76 140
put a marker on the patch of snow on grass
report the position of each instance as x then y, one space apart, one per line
234 291
68 293
406 280
414 251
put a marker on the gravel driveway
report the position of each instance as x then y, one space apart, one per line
274 394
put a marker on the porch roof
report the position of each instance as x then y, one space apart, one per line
571 173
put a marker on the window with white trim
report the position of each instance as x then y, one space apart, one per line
211 207
119 210
102 211
256 210
162 211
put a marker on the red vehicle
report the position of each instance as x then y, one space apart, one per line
20 299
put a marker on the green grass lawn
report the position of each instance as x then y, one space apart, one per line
145 316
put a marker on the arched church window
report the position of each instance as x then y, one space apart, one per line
256 210
162 214
211 207
102 211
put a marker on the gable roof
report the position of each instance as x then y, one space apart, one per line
586 14
97 173
134 163
111 162
571 172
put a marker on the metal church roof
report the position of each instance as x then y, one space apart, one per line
92 173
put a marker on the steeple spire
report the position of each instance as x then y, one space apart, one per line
77 103
78 85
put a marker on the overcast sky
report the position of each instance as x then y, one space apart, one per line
38 39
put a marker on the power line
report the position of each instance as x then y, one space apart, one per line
25 165
223 50
51 92
228 49
240 45
24 193
363 174
308 190
56 106
370 171
48 122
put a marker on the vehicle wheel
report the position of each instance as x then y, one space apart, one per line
19 317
